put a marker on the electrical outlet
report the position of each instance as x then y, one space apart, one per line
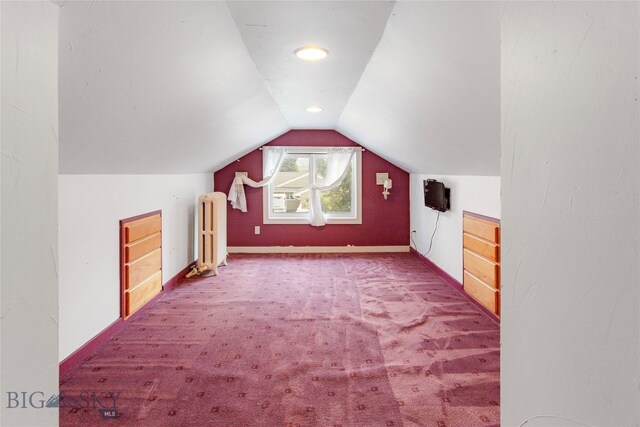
257 229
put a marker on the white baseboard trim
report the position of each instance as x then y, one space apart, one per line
313 249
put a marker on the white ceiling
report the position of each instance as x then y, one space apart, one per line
185 87
350 32
429 100
157 87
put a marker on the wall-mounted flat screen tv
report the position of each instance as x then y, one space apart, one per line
436 195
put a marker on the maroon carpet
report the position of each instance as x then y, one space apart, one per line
298 340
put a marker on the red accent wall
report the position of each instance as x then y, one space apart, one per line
384 222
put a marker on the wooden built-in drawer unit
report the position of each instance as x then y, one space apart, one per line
140 261
481 259
138 296
485 294
481 247
483 268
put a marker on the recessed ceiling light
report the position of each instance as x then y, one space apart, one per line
311 53
314 109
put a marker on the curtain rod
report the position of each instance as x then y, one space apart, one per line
311 148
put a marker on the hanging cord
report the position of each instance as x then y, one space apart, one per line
415 246
434 233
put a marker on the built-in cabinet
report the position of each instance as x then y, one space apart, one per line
140 261
481 259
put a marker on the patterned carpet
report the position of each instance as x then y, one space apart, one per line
298 340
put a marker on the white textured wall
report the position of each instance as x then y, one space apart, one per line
479 194
570 214
90 209
29 350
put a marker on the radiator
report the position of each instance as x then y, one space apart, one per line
212 222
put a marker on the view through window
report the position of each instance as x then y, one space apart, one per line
288 195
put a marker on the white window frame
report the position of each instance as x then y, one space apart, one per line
332 218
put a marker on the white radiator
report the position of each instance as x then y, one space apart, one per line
212 222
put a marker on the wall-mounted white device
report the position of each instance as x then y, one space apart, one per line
382 178
386 187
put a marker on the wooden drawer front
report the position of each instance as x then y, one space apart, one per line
488 271
138 296
142 268
142 247
481 228
139 229
486 295
486 249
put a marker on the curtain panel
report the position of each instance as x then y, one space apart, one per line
272 161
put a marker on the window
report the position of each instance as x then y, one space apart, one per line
286 199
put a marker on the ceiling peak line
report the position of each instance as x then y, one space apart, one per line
273 32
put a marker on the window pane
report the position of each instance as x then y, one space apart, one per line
291 186
321 168
289 193
338 200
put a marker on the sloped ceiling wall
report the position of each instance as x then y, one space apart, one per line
157 87
429 100
171 87
273 30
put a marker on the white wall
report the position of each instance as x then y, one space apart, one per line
29 350
479 194
89 212
570 214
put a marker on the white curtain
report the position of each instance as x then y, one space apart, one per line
272 160
338 161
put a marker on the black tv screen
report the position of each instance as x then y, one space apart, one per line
436 196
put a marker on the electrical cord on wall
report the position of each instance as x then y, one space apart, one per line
415 246
434 233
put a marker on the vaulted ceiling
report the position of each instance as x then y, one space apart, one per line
186 87
273 30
